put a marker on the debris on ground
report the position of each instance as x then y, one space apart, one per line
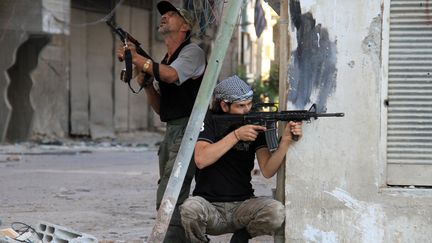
43 232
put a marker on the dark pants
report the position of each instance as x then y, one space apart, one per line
167 154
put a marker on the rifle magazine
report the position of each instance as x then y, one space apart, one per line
271 139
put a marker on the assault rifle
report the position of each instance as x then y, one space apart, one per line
229 122
126 74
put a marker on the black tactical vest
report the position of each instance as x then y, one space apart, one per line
176 101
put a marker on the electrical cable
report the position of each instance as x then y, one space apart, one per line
22 230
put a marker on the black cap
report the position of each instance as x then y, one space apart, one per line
165 6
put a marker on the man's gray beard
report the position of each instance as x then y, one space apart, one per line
163 31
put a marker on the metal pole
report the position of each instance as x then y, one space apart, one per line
199 110
285 53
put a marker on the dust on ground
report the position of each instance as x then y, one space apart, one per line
104 188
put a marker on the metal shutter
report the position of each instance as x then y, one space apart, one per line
409 134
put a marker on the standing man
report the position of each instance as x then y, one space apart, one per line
223 200
172 95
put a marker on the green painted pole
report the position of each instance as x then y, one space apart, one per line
199 110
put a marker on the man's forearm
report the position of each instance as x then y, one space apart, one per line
275 160
167 74
208 153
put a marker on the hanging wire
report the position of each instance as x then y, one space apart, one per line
105 18
21 229
206 12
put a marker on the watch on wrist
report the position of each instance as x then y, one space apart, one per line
146 65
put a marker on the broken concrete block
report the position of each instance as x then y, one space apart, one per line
48 232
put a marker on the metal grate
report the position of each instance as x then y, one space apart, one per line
409 136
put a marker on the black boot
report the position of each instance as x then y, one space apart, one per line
240 236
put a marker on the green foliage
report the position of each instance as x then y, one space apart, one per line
267 88
241 72
263 88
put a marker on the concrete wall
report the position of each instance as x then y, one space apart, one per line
65 74
6 60
92 76
335 176
60 74
50 92
29 66
11 35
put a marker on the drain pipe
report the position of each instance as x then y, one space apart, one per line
199 110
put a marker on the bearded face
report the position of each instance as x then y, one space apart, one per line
171 22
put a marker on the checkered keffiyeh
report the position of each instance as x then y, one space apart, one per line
233 89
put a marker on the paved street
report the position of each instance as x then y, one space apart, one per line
102 189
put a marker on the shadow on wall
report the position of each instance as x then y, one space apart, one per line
18 92
313 68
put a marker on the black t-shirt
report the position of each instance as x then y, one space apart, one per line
228 179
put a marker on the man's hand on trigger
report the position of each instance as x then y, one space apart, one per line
249 132
131 46
121 50
120 53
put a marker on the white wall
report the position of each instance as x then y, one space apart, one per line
335 176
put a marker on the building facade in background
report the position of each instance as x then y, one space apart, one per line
366 177
60 75
59 72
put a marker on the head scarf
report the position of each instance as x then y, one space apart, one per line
232 89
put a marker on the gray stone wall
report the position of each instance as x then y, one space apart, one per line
59 74
18 20
50 91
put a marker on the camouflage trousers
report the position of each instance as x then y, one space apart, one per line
260 216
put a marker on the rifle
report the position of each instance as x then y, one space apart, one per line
126 74
229 122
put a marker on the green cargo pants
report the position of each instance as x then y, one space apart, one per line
259 216
167 154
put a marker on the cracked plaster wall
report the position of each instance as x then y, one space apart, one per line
335 176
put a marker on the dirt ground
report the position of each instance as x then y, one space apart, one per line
105 188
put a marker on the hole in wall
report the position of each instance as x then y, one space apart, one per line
18 92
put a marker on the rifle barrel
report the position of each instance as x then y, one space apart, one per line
331 114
